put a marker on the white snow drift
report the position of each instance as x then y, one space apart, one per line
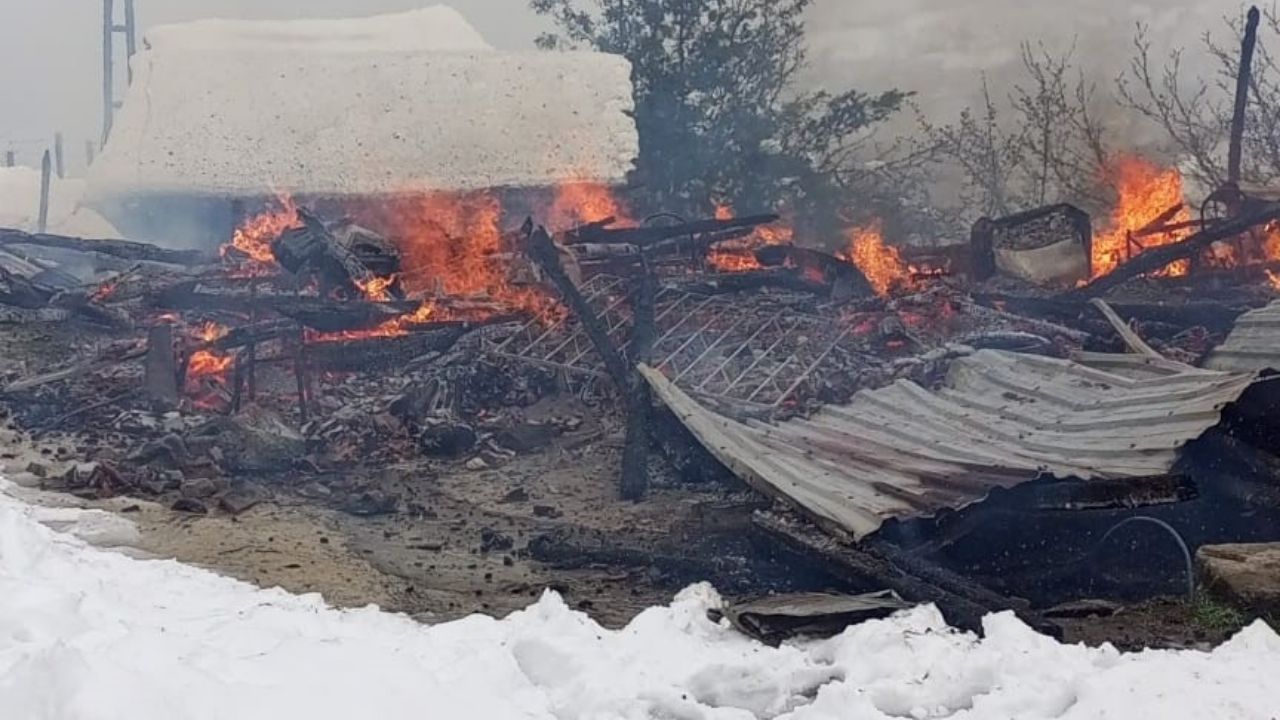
91 634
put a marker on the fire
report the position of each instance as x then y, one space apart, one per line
579 203
254 236
739 255
207 366
880 262
1145 192
1273 278
377 289
104 291
395 327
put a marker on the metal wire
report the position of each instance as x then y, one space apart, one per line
1182 545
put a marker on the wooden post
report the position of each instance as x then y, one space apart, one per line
1235 150
160 368
130 37
46 170
9 158
108 69
58 162
88 153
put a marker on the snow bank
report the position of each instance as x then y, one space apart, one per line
20 205
89 634
381 105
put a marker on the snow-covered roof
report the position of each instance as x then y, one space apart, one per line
20 205
380 105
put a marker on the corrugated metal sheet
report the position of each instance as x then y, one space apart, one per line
1254 343
1002 419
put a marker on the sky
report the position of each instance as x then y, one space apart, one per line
50 59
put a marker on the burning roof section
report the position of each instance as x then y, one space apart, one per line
397 104
1000 419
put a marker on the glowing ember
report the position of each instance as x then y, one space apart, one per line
880 262
104 291
579 203
1145 191
739 255
254 237
377 289
1273 278
395 327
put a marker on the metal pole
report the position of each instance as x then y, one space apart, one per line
57 156
9 158
1235 151
108 72
88 153
46 170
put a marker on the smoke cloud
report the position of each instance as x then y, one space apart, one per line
50 62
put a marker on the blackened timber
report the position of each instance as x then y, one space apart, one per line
635 450
1214 316
645 236
1235 150
125 249
782 278
381 353
843 278
160 368
543 251
1160 257
962 603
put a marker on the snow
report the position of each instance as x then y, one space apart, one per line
378 105
438 28
91 634
20 205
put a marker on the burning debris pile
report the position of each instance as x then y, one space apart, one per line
881 404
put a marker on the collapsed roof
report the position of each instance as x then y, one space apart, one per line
1001 419
354 107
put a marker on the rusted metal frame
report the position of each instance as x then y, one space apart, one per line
672 330
575 334
695 335
795 323
719 339
772 379
808 372
721 370
553 327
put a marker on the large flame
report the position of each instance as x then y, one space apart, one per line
578 203
254 236
1145 192
880 262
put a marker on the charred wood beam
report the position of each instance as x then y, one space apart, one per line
381 353
963 603
782 278
843 278
634 478
1217 317
543 251
635 450
1160 257
645 236
125 249
1235 151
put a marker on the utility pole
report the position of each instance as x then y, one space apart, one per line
109 30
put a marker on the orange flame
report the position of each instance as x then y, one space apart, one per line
739 255
207 367
881 263
1145 191
395 327
254 236
377 289
104 291
579 203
